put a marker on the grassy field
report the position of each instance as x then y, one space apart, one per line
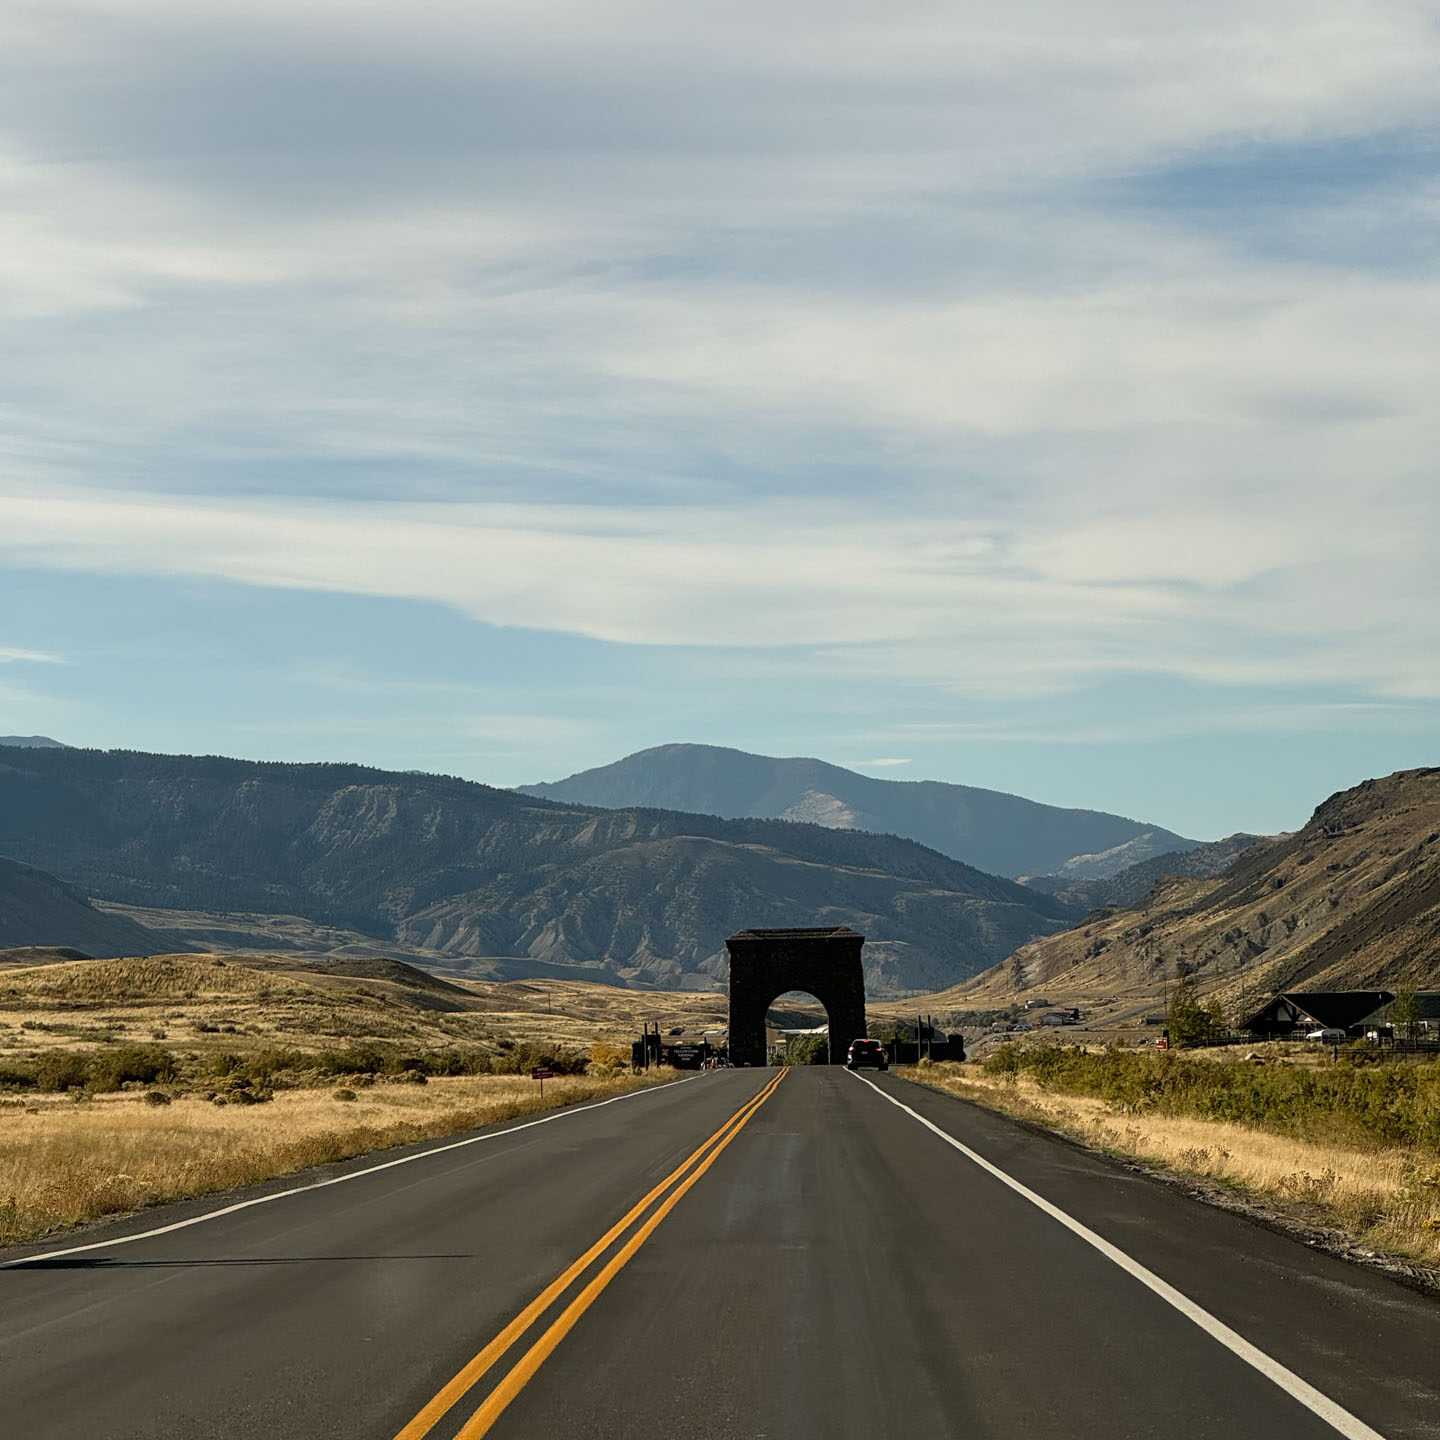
204 1004
1354 1151
202 1007
64 1162
125 1083
576 1011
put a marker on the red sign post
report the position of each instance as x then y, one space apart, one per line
542 1073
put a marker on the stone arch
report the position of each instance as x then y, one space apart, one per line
764 964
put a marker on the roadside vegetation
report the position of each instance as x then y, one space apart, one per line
126 1083
63 1163
249 1076
1352 1146
806 1050
1358 1102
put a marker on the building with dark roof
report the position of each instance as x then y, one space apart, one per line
1300 1011
1424 1022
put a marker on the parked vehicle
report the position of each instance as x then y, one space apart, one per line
1327 1036
864 1053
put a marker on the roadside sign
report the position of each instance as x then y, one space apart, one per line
542 1072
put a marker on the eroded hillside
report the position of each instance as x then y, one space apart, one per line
1351 900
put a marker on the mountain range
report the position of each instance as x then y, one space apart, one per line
1350 901
1130 886
445 867
995 832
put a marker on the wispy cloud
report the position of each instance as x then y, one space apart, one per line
939 601
998 355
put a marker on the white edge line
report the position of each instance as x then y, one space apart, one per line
1336 1416
333 1180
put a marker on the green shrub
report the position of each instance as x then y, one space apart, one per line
61 1070
363 1059
242 1092
274 1061
17 1077
1366 1105
127 1064
807 1050
521 1059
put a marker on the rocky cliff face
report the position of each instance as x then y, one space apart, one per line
1350 901
465 870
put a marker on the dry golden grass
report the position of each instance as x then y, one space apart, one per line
144 980
575 1011
67 1160
1387 1200
63 1163
208 1004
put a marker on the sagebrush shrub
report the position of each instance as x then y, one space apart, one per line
1391 1104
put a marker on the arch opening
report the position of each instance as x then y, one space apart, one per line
796 1021
766 964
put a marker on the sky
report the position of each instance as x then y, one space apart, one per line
1037 396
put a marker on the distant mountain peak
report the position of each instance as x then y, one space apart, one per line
33 742
996 832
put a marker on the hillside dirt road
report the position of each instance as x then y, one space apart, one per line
795 1255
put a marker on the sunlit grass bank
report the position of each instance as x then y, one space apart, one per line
64 1161
1319 1145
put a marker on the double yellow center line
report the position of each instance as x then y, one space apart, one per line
672 1187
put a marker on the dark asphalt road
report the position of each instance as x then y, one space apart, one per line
835 1268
